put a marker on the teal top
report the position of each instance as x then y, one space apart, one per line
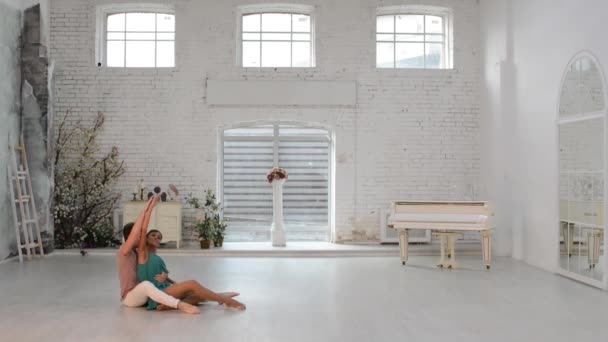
153 266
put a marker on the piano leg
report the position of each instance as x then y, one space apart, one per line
452 245
447 246
593 242
442 247
403 244
486 246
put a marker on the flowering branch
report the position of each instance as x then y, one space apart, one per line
84 178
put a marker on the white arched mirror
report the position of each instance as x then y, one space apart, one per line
581 126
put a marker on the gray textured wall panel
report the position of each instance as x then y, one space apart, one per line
10 81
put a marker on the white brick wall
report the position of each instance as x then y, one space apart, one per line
412 134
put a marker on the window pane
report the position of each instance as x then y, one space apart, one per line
408 23
251 36
409 55
165 54
247 196
434 38
140 36
385 23
301 36
276 36
433 55
409 37
116 54
301 54
116 36
251 23
116 22
276 22
165 22
140 54
165 36
434 24
385 55
385 37
141 22
251 54
301 23
276 54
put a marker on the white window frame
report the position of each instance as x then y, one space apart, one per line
331 229
102 13
448 29
274 8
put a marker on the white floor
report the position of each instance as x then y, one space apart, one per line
74 298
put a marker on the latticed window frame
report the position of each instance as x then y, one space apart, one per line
447 36
276 139
102 13
293 9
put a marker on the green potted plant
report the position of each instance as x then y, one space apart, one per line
210 226
201 224
205 233
219 232
213 214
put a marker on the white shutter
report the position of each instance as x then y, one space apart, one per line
247 196
305 195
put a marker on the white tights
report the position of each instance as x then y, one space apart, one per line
144 290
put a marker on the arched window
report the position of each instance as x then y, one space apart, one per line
581 128
249 152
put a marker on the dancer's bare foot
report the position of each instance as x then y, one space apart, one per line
163 307
231 303
188 308
228 295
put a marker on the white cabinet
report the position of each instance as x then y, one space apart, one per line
166 218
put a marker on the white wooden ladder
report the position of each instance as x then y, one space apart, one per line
26 217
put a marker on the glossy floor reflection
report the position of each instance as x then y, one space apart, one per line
580 265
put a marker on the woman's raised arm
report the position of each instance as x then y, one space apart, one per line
142 249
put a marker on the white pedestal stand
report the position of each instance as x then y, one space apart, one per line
277 231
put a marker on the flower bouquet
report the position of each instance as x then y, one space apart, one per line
276 173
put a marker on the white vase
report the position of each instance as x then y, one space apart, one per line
277 230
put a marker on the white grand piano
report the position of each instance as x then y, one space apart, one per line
448 220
